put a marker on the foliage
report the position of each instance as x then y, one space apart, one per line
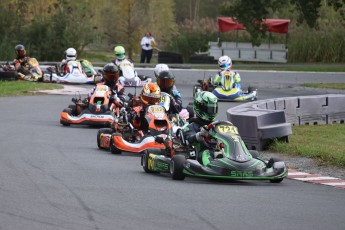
194 36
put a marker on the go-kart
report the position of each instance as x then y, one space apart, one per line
31 71
122 136
227 89
232 160
129 76
93 111
78 72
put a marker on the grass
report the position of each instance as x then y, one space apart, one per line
322 142
20 88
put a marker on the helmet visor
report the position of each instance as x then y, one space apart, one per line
224 66
151 99
111 76
120 56
21 52
165 83
210 108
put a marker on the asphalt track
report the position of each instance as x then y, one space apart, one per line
54 177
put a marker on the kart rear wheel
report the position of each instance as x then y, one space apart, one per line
176 167
113 148
102 131
270 164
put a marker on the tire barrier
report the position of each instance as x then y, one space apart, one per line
260 122
8 76
202 59
168 57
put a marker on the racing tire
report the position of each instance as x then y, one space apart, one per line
113 148
143 77
269 165
145 162
102 131
176 167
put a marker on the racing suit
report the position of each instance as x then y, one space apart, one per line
175 102
20 65
237 79
203 154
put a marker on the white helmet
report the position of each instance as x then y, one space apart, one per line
225 63
71 54
161 67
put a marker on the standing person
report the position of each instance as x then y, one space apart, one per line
147 43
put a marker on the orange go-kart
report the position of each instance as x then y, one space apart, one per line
122 136
95 111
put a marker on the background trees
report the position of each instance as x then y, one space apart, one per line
48 27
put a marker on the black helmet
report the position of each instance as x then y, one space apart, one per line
110 73
166 81
20 51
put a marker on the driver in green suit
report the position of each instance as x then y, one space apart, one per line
205 105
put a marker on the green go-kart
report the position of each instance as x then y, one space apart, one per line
232 159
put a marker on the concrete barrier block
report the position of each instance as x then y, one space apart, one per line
311 105
335 103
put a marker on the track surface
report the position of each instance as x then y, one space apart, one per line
54 177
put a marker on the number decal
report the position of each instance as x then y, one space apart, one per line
227 129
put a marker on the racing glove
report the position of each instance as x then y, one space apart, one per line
201 134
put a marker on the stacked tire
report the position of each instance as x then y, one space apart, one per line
8 76
169 57
201 59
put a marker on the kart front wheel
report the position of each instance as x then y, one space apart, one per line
176 167
100 132
145 162
113 148
277 180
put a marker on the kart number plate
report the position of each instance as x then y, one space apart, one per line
229 129
101 88
156 109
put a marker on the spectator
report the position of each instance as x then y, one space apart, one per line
147 43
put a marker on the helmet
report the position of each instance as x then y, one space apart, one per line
71 54
205 105
161 67
120 52
20 51
166 81
151 94
110 73
225 63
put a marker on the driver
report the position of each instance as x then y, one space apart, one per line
20 61
205 105
111 76
150 95
166 82
225 64
71 55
